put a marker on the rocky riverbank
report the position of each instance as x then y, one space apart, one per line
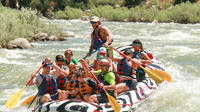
25 43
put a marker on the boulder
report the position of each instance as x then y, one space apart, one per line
67 34
61 38
85 18
52 38
20 43
40 37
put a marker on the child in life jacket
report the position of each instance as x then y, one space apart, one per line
87 86
72 86
70 62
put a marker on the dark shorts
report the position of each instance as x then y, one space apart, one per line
131 84
140 75
102 97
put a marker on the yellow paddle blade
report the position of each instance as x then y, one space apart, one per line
167 77
11 103
154 75
27 101
114 104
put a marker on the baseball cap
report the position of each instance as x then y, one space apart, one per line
102 50
94 19
136 43
59 58
46 64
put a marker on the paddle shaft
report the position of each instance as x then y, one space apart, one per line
35 73
123 55
33 100
87 56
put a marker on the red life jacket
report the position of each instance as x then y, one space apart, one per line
61 82
49 86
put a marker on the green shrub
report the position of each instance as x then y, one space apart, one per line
24 23
72 13
106 2
185 12
108 12
60 15
142 14
163 16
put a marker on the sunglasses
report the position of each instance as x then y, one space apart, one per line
93 22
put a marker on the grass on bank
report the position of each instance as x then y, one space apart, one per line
25 23
182 13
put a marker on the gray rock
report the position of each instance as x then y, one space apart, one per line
67 34
155 21
52 38
20 43
40 36
61 38
85 18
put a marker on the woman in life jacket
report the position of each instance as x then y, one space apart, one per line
47 87
87 86
126 70
141 55
72 86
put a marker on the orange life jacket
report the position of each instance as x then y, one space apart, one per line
84 88
71 85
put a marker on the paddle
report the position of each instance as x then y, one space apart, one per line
157 75
34 99
27 101
87 56
11 103
114 104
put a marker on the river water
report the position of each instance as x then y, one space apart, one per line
176 45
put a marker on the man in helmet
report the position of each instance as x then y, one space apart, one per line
107 80
101 35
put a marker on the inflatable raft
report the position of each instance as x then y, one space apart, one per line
128 100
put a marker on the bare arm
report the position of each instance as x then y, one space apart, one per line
32 82
110 87
114 59
92 44
106 35
146 60
57 68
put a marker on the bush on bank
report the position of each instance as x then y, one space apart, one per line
69 13
110 13
182 13
25 23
